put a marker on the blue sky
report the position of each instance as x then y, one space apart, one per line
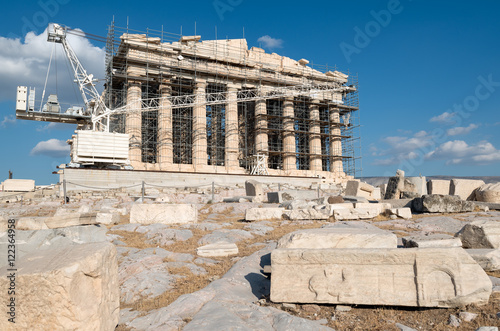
429 73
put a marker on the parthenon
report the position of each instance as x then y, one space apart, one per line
216 106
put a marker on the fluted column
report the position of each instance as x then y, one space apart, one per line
231 161
261 138
335 142
290 159
200 125
133 123
165 142
315 138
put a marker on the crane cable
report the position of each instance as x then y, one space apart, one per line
47 77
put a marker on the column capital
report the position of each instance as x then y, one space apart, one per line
133 83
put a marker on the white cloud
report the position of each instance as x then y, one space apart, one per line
402 148
26 62
459 152
52 147
270 42
444 118
55 126
9 119
460 130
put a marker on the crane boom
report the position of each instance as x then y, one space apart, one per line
91 97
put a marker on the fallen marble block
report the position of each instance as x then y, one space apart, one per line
163 213
489 193
437 186
217 249
360 235
488 259
288 195
401 212
416 277
308 214
464 188
263 214
480 234
435 203
432 240
355 213
69 287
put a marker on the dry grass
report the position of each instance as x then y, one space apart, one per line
190 283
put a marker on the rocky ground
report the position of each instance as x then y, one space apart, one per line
165 285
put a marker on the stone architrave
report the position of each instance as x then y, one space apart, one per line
339 237
415 277
480 234
163 213
68 287
464 188
489 193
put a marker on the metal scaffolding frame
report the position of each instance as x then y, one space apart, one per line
189 77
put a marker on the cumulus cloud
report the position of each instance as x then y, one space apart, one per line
459 130
444 118
53 148
25 62
400 148
459 152
270 42
9 119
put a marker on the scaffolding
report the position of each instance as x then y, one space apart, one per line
217 106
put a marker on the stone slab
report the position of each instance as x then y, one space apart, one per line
73 287
263 214
417 277
359 235
438 186
18 185
480 234
217 249
163 213
488 259
254 189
